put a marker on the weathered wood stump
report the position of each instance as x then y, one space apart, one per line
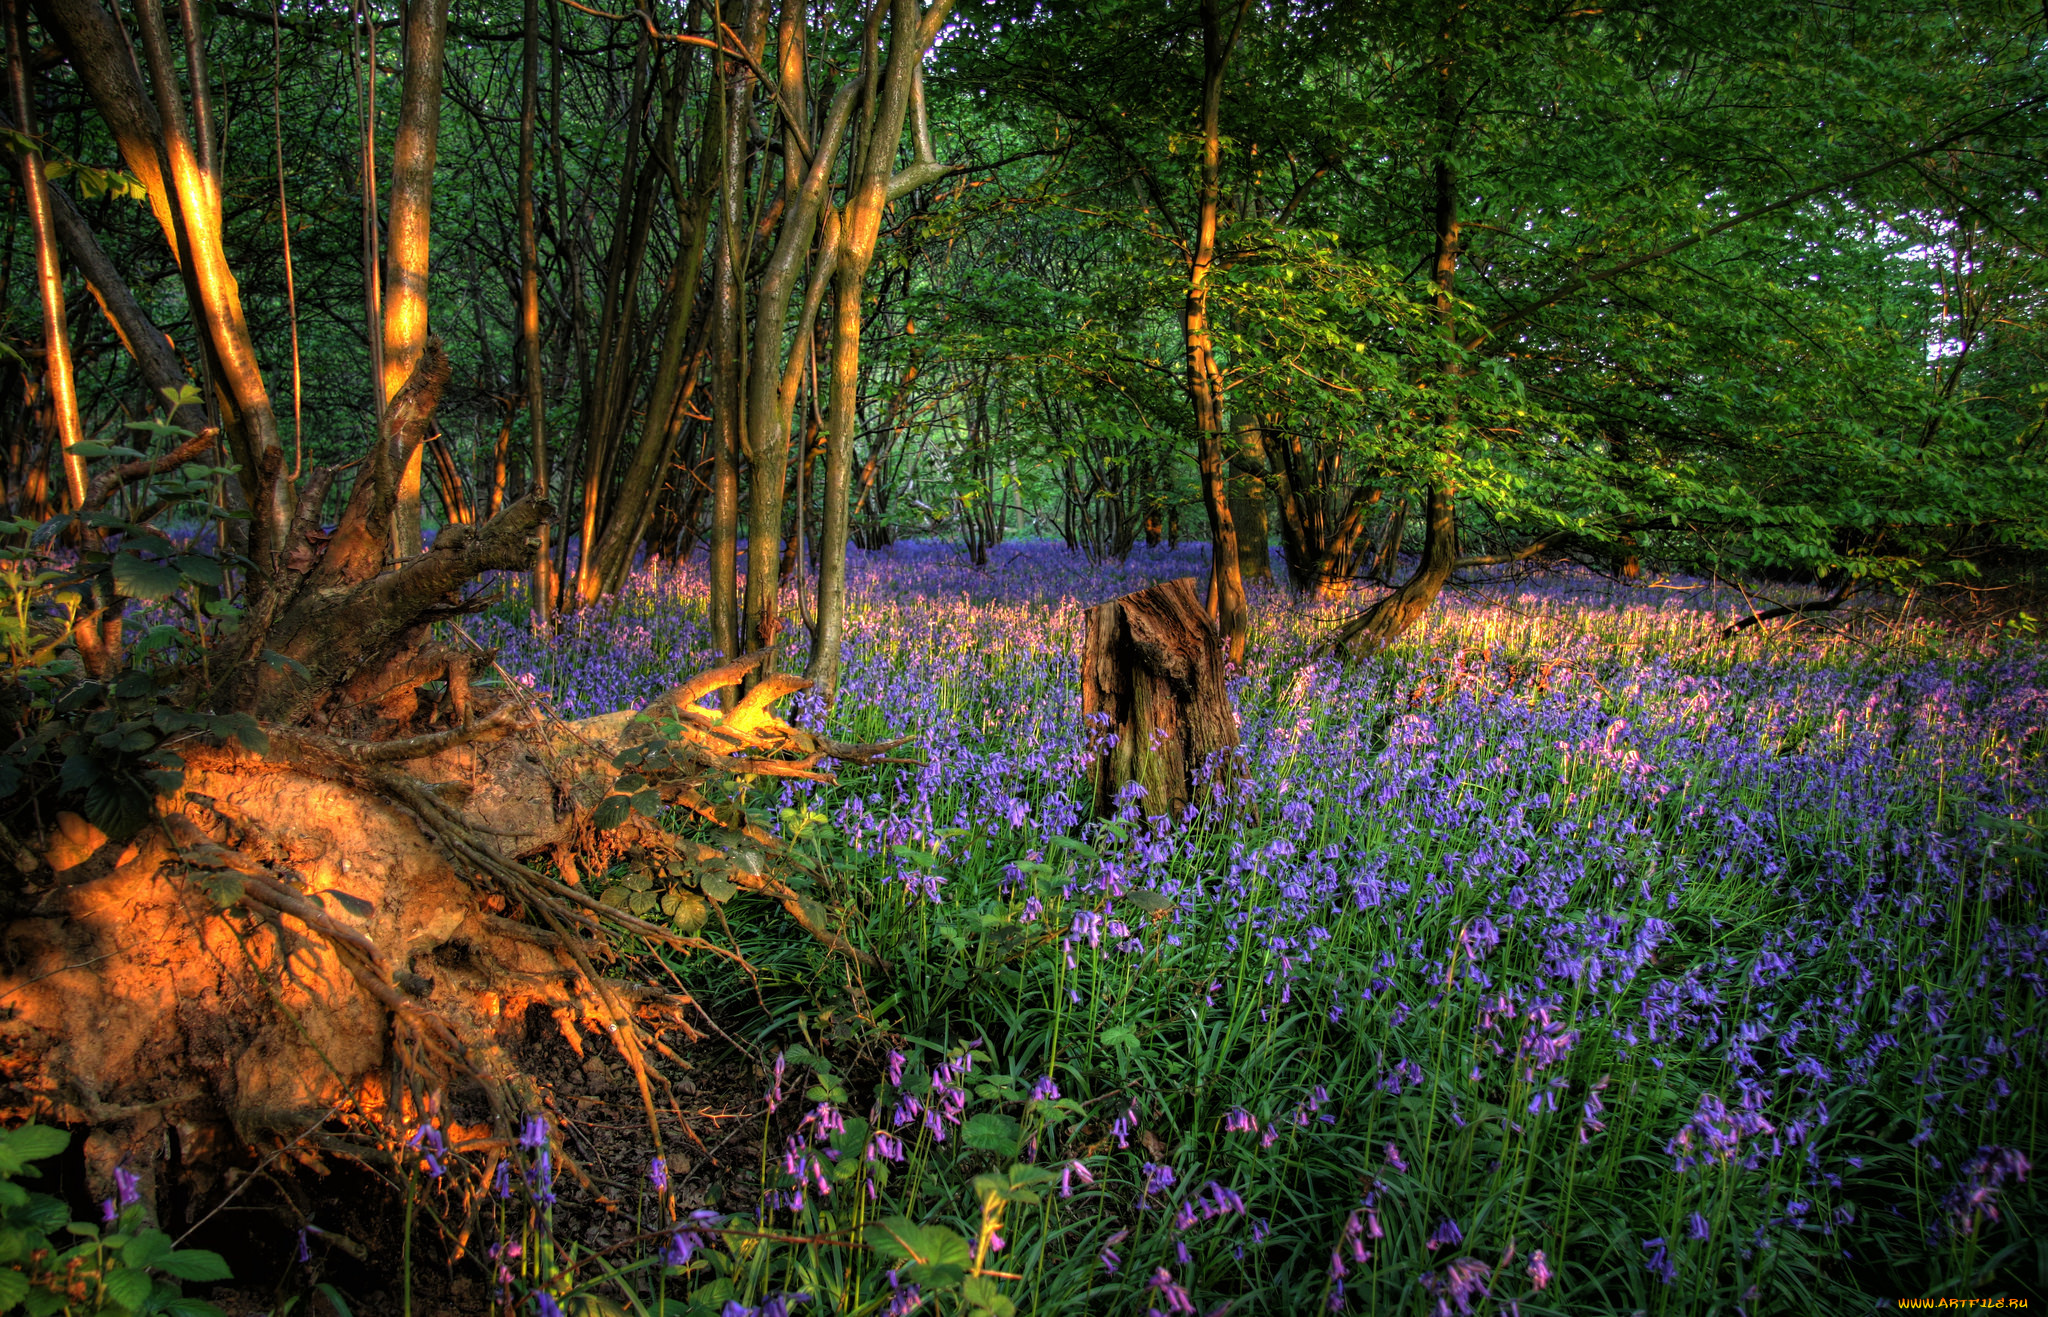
1153 664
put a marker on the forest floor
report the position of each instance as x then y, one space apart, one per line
1570 957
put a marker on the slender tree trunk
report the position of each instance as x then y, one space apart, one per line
1226 601
607 391
206 146
1298 541
1390 542
772 382
1392 616
529 304
138 333
408 231
195 208
57 377
501 462
1248 503
727 363
892 94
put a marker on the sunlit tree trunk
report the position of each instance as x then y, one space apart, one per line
529 303
771 381
722 550
57 377
194 204
407 231
892 93
1393 615
1226 602
138 333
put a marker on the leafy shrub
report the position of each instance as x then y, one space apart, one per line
120 1266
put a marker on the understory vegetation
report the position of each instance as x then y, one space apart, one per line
1547 498
1573 958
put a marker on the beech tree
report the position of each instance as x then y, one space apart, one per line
1449 233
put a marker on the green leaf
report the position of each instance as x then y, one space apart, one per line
13 1288
992 1132
32 1143
200 568
116 807
244 729
147 1249
610 812
983 1296
183 1307
937 1257
142 578
717 887
196 1264
333 1297
805 1056
46 1212
128 1287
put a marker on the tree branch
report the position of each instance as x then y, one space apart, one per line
1635 262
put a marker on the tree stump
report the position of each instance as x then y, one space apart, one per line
1153 664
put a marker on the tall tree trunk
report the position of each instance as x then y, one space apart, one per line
193 204
57 377
727 366
1248 494
1393 615
892 93
1390 542
607 391
408 231
772 382
146 343
1226 602
529 303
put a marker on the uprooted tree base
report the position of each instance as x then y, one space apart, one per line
315 949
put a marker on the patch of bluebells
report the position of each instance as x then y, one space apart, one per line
1563 856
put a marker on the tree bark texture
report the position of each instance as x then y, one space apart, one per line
1248 515
57 377
1152 691
727 363
893 92
408 232
529 303
1226 602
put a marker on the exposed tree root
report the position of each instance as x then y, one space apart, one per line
316 938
